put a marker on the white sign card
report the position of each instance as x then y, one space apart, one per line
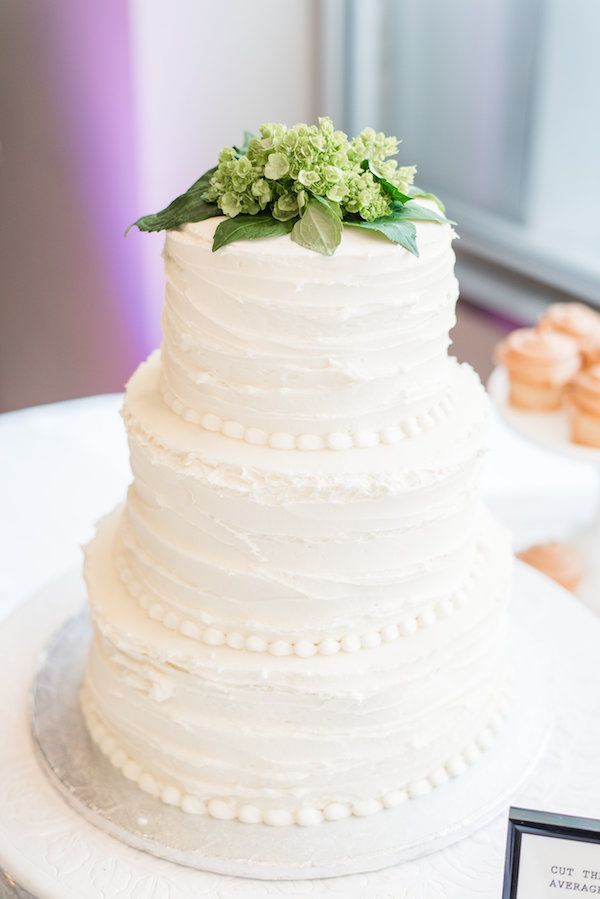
550 856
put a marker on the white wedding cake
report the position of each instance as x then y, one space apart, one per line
300 609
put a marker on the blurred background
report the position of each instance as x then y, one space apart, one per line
108 110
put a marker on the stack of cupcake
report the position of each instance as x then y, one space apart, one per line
557 364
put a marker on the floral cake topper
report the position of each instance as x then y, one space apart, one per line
308 181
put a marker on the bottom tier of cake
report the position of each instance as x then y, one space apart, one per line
286 740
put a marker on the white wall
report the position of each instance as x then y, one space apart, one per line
203 72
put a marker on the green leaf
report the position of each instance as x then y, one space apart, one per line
415 212
320 228
188 207
415 192
390 189
249 227
396 230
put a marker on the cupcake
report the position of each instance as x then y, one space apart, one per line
584 407
576 320
539 365
590 350
557 560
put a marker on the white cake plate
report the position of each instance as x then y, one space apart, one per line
550 431
53 851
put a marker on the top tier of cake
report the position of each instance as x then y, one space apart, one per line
271 343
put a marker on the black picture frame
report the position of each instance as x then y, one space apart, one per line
546 824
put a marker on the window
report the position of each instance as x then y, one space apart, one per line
499 105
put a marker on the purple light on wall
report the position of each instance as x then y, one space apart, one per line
88 56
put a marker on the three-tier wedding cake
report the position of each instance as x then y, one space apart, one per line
300 609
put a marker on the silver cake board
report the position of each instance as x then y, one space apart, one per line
103 796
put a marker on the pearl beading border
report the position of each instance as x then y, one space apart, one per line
303 648
412 426
306 816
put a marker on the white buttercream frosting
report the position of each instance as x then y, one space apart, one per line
287 342
286 634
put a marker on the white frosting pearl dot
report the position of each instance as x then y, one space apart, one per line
148 785
256 436
219 808
329 647
472 752
108 745
282 441
145 601
444 608
365 439
392 435
485 738
350 643
426 421
408 626
156 612
211 422
308 817
419 788
390 632
280 648
171 796
427 618
171 620
213 637
364 807
411 427
304 648
189 629
192 416
394 798
118 758
131 770
255 644
335 811
371 640
135 588
438 777
177 407
460 598
338 440
235 640
309 442
495 721
249 814
98 731
456 765
278 817
233 429
193 805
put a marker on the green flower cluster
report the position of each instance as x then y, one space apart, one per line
282 167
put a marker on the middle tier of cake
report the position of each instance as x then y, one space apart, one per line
299 552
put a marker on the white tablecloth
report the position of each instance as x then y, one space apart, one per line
64 465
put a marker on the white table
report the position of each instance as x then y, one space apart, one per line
64 465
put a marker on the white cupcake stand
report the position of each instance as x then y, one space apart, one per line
56 842
550 431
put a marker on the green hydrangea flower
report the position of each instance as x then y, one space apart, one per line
309 182
282 167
